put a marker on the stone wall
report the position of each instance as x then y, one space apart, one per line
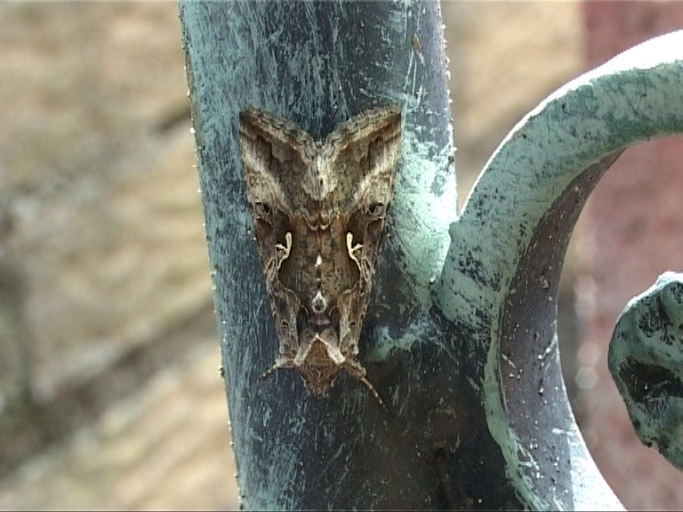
110 392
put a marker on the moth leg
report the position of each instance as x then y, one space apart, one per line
280 363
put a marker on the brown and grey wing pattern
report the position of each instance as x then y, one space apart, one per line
319 211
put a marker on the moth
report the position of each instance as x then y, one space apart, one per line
319 209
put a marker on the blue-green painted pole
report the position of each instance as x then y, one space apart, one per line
460 339
317 64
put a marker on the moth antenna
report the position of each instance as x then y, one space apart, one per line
374 393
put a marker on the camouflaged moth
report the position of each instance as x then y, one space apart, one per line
319 210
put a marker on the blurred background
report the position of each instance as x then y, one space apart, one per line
110 395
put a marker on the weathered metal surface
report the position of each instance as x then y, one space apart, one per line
462 345
318 64
646 362
520 214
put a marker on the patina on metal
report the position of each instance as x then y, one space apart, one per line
460 331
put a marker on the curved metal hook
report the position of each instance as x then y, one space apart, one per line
508 248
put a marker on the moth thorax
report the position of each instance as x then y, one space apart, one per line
318 182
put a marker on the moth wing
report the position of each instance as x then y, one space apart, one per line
364 151
364 154
276 156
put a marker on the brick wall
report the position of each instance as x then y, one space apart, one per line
632 231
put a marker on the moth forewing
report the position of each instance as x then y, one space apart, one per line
365 128
319 210
275 148
366 144
276 130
